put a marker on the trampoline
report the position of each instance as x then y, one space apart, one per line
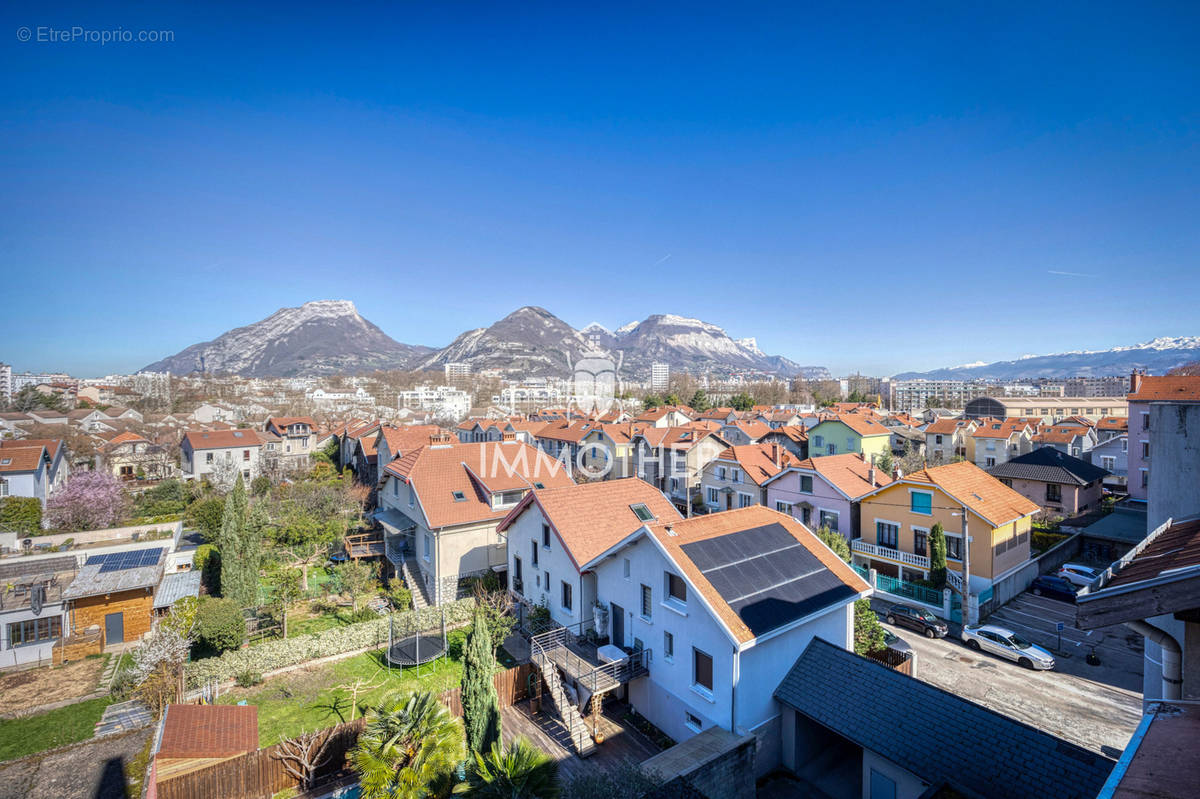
409 645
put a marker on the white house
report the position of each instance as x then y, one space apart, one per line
220 454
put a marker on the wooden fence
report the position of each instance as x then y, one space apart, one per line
260 774
898 661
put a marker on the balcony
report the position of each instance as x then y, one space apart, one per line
579 660
887 553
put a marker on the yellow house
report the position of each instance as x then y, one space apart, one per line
896 520
849 432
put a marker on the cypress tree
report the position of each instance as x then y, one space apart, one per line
233 522
937 555
481 705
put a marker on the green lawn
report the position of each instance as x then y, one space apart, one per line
303 700
66 725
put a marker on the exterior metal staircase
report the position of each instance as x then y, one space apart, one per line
575 725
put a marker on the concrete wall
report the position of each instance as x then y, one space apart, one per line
717 764
1174 490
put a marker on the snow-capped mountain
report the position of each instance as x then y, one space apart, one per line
318 338
329 337
1155 356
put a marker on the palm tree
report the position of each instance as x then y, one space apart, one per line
409 749
521 772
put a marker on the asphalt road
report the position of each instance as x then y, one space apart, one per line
1083 704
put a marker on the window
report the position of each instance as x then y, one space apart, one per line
546 536
566 595
676 588
1145 478
1145 450
712 496
1053 492
887 534
668 647
921 502
208 457
783 507
518 583
693 721
954 546
920 541
720 472
245 454
806 484
735 475
702 670
428 547
625 568
646 602
459 496
818 441
32 631
395 488
831 449
642 512
806 516
937 439
539 486
3 488
533 549
1145 420
547 583
989 462
1124 445
674 485
745 500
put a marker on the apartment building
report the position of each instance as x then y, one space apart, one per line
1048 409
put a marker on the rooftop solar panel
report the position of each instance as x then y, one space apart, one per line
766 576
120 561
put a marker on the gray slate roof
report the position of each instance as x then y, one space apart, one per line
1049 465
175 587
925 729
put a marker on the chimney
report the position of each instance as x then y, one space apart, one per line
896 473
775 455
439 439
1135 381
871 476
508 435
862 457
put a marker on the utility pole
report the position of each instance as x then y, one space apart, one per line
966 565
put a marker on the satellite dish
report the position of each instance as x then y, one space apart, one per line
35 598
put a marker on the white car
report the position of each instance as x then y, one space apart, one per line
1006 644
1079 575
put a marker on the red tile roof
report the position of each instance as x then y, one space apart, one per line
848 473
756 461
202 731
476 470
222 439
51 444
966 483
1184 388
589 518
21 459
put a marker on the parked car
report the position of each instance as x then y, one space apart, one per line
896 643
1007 644
1077 574
1053 586
918 619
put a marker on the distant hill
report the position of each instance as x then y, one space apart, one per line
318 338
1155 356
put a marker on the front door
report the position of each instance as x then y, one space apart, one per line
617 614
114 628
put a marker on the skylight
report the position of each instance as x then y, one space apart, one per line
642 512
5 462
460 496
539 485
237 434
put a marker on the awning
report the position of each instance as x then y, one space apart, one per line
395 521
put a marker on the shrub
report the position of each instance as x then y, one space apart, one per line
1041 540
361 615
400 596
281 653
937 556
205 515
21 515
868 632
836 542
123 684
219 626
260 485
248 678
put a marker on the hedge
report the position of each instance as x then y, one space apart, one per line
281 653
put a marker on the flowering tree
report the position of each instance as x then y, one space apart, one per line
158 662
89 501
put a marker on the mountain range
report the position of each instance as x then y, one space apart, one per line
1155 357
331 337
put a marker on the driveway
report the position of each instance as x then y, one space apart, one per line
1076 702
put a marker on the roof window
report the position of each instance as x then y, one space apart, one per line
642 512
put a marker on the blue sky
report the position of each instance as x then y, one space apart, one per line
878 187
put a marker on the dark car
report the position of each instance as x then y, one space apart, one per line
1052 586
918 619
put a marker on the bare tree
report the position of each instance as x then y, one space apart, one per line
303 755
